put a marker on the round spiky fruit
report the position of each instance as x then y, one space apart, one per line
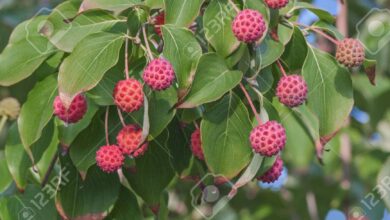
128 95
109 158
159 20
292 90
268 139
159 74
350 53
273 173
196 144
276 4
249 26
129 139
74 113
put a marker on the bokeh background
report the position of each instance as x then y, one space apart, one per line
354 183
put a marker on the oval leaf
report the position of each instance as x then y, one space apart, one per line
37 111
225 131
217 23
182 13
212 80
86 66
183 51
330 90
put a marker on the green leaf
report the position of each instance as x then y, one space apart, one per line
17 158
135 19
153 4
183 51
44 163
268 52
225 130
179 146
68 132
300 146
153 172
66 35
322 14
330 90
83 148
259 6
6 178
116 6
37 111
181 13
296 51
161 111
212 80
125 206
34 204
90 60
16 66
92 196
217 23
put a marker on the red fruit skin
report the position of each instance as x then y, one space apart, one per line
273 173
109 158
292 90
350 53
276 4
268 139
159 74
74 113
196 144
158 21
249 26
128 95
129 139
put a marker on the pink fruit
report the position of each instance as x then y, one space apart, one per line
273 173
196 144
74 113
268 139
109 158
292 90
276 4
128 95
350 53
159 74
129 139
249 26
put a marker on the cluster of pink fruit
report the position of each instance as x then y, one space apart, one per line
128 95
267 139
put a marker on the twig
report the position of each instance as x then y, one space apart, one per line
251 104
234 6
318 32
106 125
149 51
121 117
281 68
127 56
50 169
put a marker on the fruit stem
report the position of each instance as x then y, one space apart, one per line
251 104
121 117
196 125
281 68
4 119
234 6
106 125
150 54
318 32
127 56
